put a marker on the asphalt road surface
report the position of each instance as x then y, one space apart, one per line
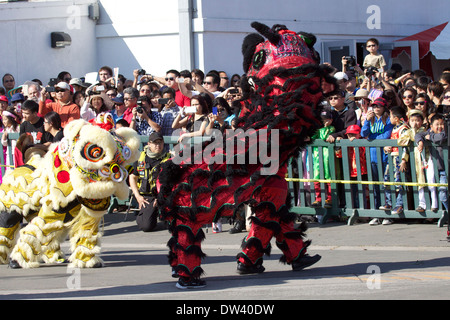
403 261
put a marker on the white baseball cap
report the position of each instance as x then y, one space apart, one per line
78 82
63 85
341 76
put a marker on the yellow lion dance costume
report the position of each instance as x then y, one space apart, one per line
67 190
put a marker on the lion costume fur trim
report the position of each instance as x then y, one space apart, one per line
52 189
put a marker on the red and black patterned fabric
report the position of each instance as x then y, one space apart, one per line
282 92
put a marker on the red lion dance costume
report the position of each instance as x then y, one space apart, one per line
281 97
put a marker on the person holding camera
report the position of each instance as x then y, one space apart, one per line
144 120
193 120
349 65
130 96
96 104
378 126
342 80
231 94
155 97
190 88
374 59
171 81
220 118
143 77
169 110
143 181
63 105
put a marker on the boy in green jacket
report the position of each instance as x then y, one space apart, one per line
322 134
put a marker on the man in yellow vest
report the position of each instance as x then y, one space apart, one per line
143 181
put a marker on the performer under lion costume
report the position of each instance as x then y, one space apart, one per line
67 190
282 93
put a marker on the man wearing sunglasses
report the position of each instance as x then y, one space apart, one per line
209 86
343 117
212 82
171 81
64 105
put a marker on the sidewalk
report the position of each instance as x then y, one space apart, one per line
136 266
333 234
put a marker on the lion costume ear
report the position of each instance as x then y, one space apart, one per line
73 128
271 35
249 47
310 41
253 39
309 38
132 140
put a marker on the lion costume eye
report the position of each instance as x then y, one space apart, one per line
259 59
114 172
92 152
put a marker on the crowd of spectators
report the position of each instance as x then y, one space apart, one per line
378 103
192 101
147 104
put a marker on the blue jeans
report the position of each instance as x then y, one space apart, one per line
397 178
443 197
376 188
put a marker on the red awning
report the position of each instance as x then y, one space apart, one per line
424 38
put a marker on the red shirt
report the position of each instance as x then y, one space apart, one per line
128 114
352 161
181 100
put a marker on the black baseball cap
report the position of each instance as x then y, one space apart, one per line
326 114
155 136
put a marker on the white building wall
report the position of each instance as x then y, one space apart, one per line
147 34
225 23
136 34
26 47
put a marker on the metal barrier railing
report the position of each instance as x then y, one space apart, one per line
343 204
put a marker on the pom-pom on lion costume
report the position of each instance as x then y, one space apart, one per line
67 190
282 94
